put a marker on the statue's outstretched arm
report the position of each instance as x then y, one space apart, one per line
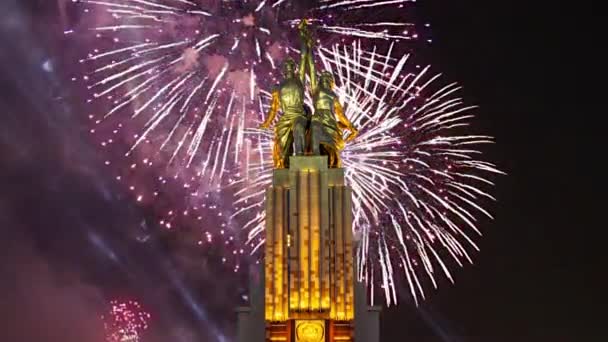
344 122
308 59
303 28
312 72
274 109
303 59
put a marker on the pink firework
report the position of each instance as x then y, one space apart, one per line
176 89
125 321
173 88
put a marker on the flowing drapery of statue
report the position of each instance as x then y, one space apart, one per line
329 121
290 130
321 133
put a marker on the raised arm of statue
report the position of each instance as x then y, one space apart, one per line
343 121
274 109
312 72
303 60
304 49
308 59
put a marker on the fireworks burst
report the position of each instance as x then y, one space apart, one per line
185 75
182 83
416 181
174 84
125 322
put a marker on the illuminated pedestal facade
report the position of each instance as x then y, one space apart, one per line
308 292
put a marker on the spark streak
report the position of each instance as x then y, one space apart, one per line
125 322
181 87
414 185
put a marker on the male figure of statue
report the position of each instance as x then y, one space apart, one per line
326 132
291 128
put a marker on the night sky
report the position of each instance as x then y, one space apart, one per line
72 237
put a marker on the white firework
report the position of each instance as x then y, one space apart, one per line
180 78
183 83
418 181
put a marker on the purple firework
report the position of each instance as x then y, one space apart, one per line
183 83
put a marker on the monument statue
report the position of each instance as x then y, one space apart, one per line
291 129
328 122
308 291
297 130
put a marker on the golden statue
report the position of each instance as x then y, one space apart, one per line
328 122
291 129
295 130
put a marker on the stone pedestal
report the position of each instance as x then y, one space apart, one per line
309 292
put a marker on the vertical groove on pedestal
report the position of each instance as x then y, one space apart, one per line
348 257
269 255
339 252
294 227
303 216
286 260
278 253
325 242
309 250
315 250
332 251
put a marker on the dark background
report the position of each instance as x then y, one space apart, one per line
535 279
525 64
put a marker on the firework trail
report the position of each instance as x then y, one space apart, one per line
183 82
125 322
173 86
186 74
416 181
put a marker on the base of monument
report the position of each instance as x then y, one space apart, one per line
252 326
306 289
